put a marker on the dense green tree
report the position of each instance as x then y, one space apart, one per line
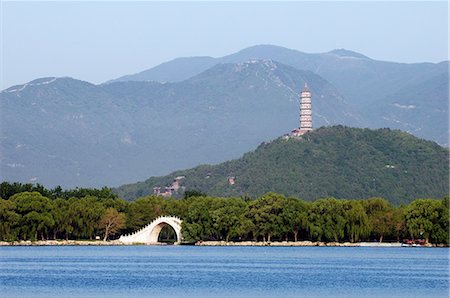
199 223
227 216
63 222
36 215
85 213
381 216
9 220
441 227
116 203
177 207
265 213
357 221
422 216
294 217
246 228
327 220
143 211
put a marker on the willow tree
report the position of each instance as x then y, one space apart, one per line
422 216
428 219
381 216
265 212
327 220
357 221
294 217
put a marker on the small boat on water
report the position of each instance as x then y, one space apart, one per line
413 243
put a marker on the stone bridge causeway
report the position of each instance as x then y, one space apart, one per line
149 234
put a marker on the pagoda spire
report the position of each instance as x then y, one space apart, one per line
305 110
305 113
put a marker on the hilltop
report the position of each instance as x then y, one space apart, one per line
338 161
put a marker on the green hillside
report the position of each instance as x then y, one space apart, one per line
341 162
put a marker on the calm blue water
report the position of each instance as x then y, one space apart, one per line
186 271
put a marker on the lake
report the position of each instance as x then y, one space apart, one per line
190 271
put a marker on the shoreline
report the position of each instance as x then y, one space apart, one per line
61 243
306 244
210 243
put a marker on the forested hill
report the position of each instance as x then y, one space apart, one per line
340 162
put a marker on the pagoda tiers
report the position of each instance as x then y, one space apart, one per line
305 113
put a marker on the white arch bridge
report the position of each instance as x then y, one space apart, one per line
149 234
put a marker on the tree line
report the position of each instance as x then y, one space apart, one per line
38 214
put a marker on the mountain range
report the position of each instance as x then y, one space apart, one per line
385 94
191 111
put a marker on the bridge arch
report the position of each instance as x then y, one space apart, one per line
149 234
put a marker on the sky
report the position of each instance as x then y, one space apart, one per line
99 41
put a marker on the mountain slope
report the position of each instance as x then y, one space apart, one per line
335 161
417 108
365 83
73 133
56 132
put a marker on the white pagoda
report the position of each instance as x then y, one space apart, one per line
305 113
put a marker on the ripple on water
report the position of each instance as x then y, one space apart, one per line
182 271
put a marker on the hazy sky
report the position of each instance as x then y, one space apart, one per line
98 41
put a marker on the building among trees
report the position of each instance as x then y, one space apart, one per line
169 190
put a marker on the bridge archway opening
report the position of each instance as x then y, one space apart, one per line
167 235
164 228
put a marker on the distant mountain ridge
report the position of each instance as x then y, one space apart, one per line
341 162
191 111
183 68
372 87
